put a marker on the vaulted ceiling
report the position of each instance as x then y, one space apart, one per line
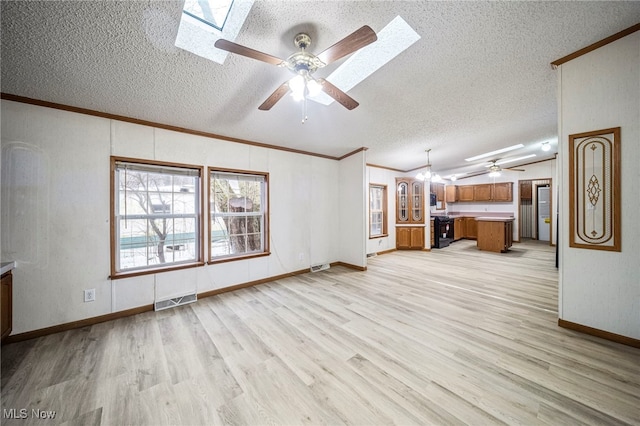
479 78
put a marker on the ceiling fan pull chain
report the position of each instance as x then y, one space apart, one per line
304 108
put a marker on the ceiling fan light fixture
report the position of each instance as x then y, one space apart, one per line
494 173
297 84
314 87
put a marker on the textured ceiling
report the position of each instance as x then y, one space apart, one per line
479 78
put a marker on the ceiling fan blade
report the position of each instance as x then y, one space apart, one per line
515 170
232 47
275 97
345 100
356 40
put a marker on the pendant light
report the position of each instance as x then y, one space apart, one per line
427 170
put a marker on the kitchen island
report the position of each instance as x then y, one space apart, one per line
495 233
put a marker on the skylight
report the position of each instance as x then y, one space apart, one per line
205 21
392 40
497 151
211 12
510 160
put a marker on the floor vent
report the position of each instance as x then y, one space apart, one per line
372 254
321 267
175 301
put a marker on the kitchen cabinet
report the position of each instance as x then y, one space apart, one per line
409 237
470 228
6 315
503 191
451 193
459 229
465 193
438 189
526 190
409 210
483 192
432 233
495 234
409 201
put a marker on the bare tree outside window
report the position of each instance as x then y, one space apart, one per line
237 206
157 217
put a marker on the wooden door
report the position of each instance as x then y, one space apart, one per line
403 238
458 228
7 302
503 191
471 228
465 193
483 192
526 192
417 238
451 193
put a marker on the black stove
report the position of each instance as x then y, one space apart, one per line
443 231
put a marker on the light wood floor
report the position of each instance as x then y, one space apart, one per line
454 336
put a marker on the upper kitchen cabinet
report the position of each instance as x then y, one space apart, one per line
438 189
485 192
465 193
409 201
451 193
526 190
503 191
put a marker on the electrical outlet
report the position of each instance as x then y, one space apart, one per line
90 295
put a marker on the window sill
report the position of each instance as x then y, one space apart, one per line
129 274
234 258
379 236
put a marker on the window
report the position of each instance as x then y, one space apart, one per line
377 210
156 216
205 21
238 214
210 12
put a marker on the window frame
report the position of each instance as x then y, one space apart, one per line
266 232
383 211
199 228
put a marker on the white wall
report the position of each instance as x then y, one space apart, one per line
601 90
541 170
378 175
55 212
352 210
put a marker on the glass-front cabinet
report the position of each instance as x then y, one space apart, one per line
409 201
402 202
417 204
409 214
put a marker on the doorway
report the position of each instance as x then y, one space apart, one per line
535 210
543 216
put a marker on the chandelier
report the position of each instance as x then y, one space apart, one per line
427 174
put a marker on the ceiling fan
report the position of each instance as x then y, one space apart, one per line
304 64
495 169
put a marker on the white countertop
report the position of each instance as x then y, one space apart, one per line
496 219
6 267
